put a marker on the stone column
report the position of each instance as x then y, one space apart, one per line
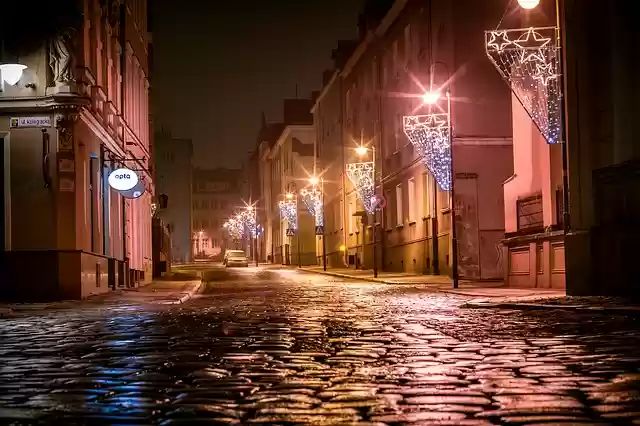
65 182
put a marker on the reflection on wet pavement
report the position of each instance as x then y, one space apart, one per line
290 348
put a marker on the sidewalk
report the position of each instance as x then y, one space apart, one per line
481 291
164 292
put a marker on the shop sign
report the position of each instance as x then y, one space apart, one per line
123 179
43 121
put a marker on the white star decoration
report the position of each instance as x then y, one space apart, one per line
529 62
499 40
430 135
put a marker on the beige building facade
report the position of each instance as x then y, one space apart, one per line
399 56
79 111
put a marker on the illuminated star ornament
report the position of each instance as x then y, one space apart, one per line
362 177
313 200
289 212
430 136
529 61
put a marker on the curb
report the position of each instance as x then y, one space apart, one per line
540 307
368 279
188 295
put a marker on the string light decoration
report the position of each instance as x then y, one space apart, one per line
249 221
528 60
362 177
429 134
312 199
289 212
235 227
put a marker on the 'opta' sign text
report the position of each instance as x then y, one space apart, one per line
123 179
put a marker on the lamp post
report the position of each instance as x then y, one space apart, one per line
531 4
312 205
363 175
434 139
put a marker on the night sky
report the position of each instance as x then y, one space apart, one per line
218 64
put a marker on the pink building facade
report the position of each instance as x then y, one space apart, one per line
79 111
534 244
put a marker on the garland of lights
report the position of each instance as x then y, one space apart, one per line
430 135
529 61
313 200
235 227
289 212
362 177
249 220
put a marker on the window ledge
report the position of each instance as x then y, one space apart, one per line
445 210
412 223
400 226
426 217
388 230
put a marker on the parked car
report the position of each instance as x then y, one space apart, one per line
235 258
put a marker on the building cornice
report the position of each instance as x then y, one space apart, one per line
324 91
381 29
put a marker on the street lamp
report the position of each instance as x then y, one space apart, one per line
533 67
362 175
314 201
12 73
528 4
289 213
432 134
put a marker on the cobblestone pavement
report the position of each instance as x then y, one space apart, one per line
282 347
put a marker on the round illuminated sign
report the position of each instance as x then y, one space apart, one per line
123 179
135 192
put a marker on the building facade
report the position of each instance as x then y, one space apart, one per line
217 194
78 111
287 154
173 174
408 48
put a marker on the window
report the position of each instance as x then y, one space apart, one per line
205 243
351 218
407 43
387 210
195 204
444 199
427 195
204 204
399 213
397 128
411 198
395 54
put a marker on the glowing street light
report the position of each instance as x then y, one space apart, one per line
362 150
431 98
12 73
528 4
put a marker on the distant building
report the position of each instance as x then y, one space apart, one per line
173 159
216 195
287 162
78 111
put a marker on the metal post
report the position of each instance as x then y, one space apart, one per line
375 251
434 230
566 226
454 240
324 236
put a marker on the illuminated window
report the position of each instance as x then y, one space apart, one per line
399 213
411 198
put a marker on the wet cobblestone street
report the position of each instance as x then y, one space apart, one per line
282 347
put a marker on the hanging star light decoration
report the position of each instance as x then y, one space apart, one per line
235 228
430 136
289 212
249 221
362 177
529 61
312 199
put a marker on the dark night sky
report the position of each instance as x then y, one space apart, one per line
218 64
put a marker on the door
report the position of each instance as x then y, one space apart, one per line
466 211
6 186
